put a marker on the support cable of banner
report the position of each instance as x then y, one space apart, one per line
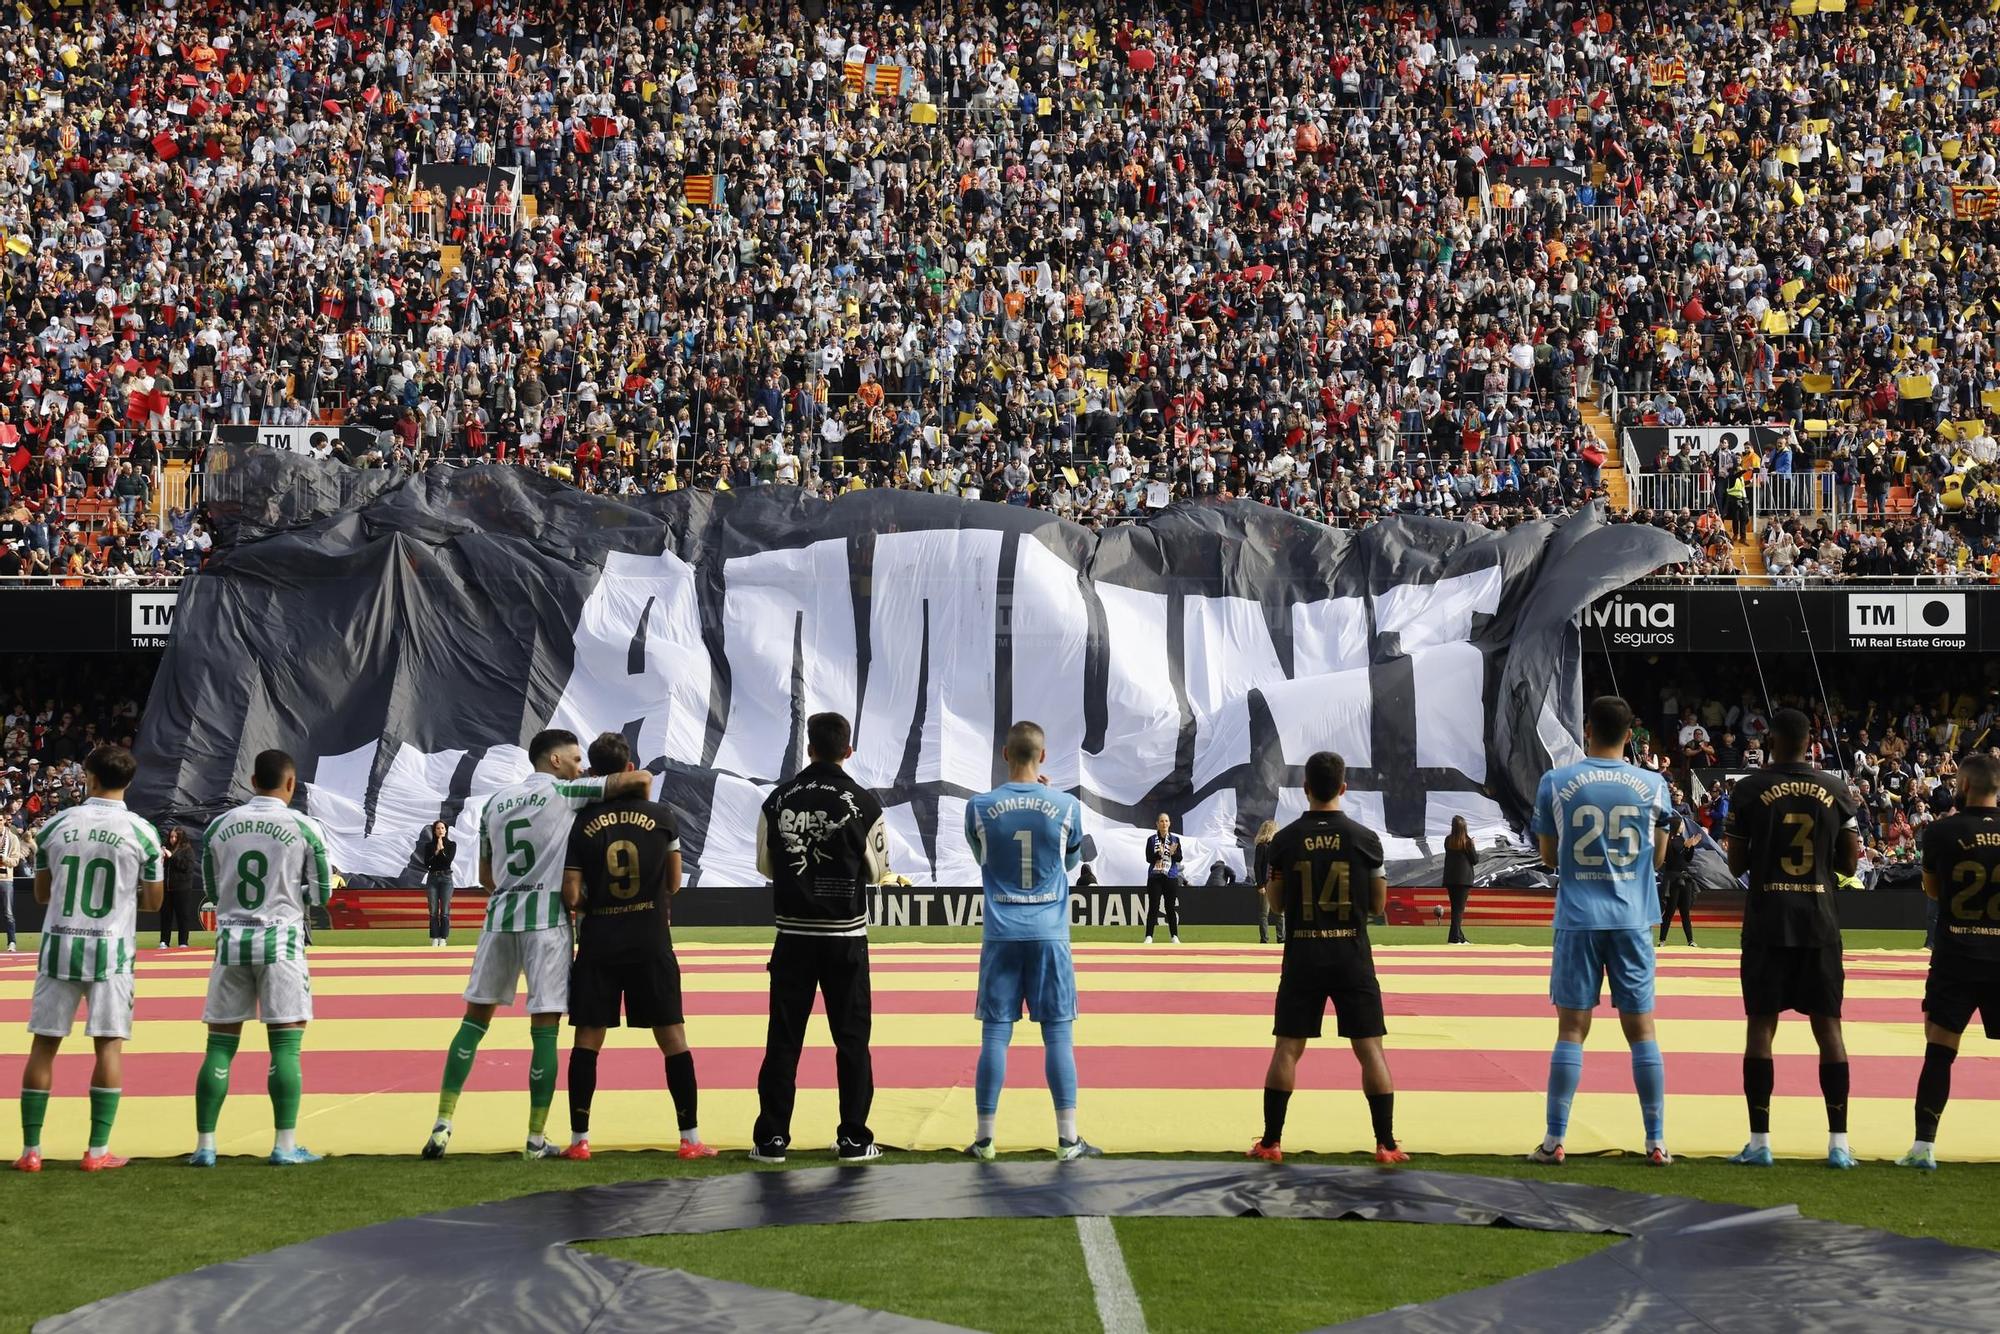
1751 630
1812 651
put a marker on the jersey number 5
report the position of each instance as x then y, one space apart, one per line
1621 848
520 852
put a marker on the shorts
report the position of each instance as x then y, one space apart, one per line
1037 973
1957 988
279 992
1306 985
1806 978
1583 960
52 1011
649 982
502 956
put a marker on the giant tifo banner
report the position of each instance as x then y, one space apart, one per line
404 636
1647 445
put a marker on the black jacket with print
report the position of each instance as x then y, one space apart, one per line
821 842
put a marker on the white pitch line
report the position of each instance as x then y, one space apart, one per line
1118 1308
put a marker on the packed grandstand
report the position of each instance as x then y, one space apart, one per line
1348 260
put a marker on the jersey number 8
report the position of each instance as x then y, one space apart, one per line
1621 849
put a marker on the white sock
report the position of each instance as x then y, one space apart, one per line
1760 1139
442 1123
1550 1144
536 1141
1922 1146
288 1140
99 1150
986 1120
1653 1144
1066 1124
205 1141
692 1135
577 1137
1836 1140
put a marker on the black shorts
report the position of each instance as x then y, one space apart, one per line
1959 987
1306 985
649 982
1808 978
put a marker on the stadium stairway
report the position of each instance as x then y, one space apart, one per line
1617 492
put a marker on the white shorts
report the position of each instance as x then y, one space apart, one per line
502 956
279 992
52 1012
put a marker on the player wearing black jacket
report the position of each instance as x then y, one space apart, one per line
822 843
1962 872
621 872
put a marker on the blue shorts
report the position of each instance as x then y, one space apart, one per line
1037 973
1583 959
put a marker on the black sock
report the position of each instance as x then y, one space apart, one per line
582 1088
1276 1101
1933 1089
680 1083
1833 1083
1760 1076
1382 1111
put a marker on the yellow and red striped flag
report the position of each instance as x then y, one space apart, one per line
699 191
888 80
855 75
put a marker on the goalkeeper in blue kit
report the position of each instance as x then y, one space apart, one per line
1027 837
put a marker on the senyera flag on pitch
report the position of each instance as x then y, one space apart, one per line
405 635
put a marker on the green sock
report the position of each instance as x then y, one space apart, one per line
103 1111
212 1084
541 1077
285 1080
457 1065
34 1110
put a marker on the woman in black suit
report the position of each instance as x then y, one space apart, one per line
1260 872
1460 856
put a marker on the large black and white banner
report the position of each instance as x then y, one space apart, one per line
404 636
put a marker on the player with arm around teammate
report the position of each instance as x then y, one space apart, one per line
97 866
623 869
1027 837
1604 824
1793 832
1962 872
264 867
523 841
1326 881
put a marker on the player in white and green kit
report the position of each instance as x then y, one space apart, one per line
96 866
263 869
523 846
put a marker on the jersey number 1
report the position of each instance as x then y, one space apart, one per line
1026 838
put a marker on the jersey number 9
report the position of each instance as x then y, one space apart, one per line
621 868
1623 846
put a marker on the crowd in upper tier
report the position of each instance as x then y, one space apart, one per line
1348 259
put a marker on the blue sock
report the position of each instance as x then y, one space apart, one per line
1565 1072
992 1075
1059 1064
1649 1076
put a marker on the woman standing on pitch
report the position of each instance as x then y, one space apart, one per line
1163 880
1460 856
1260 866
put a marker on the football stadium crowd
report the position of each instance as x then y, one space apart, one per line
1350 260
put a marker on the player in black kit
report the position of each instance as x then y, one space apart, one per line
1326 878
1962 872
1792 828
623 869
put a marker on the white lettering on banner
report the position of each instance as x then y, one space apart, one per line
787 622
639 656
1228 653
948 579
768 596
1635 613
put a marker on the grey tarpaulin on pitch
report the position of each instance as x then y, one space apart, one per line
404 635
503 1267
